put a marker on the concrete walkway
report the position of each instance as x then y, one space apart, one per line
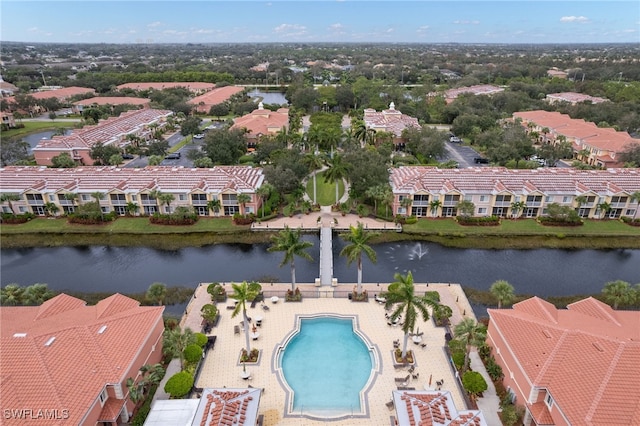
326 255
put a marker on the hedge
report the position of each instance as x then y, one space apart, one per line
179 384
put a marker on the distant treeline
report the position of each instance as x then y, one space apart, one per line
105 81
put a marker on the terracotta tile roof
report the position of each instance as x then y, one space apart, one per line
585 356
64 359
214 97
62 94
108 131
574 97
541 414
113 100
479 89
111 410
192 86
434 408
220 407
414 179
112 179
390 120
262 121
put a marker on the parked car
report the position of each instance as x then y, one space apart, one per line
480 160
198 136
128 156
173 156
455 139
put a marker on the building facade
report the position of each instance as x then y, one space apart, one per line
391 121
423 191
66 363
121 187
261 122
113 131
574 366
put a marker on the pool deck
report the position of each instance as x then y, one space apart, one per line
221 368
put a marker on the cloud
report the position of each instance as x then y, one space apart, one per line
285 28
580 19
466 22
422 29
154 24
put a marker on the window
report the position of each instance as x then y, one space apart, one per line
34 198
503 198
402 210
533 200
182 197
229 199
483 198
103 396
482 210
630 212
21 209
468 197
548 199
85 197
451 200
421 200
134 197
566 199
548 400
419 211
105 209
621 200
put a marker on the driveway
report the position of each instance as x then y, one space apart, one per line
463 154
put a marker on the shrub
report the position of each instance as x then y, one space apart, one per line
484 351
293 296
241 219
411 220
458 359
629 221
200 339
509 415
494 370
181 216
474 383
193 353
179 384
246 357
479 221
11 218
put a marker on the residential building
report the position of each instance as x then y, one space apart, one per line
7 89
194 87
591 144
79 106
573 98
238 406
8 121
195 188
67 363
63 95
112 131
493 190
479 89
556 73
432 408
391 121
204 102
574 366
261 122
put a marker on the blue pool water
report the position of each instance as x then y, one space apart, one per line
326 365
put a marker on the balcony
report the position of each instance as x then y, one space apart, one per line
36 202
199 202
618 205
502 204
149 203
118 202
420 203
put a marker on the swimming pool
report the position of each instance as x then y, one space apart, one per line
326 365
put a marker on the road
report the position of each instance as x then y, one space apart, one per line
463 154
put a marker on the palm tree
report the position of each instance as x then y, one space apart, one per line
12 295
37 294
406 202
290 242
516 208
243 199
8 198
336 172
215 290
264 192
472 333
166 199
99 196
434 206
156 293
174 341
402 298
71 196
214 205
377 193
605 208
51 208
358 238
243 293
636 197
502 291
132 208
314 162
618 292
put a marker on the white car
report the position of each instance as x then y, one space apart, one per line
198 136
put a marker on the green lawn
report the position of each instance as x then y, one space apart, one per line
326 192
37 126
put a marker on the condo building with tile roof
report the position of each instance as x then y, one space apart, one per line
574 366
79 106
112 131
195 188
66 363
479 89
414 408
194 87
573 98
204 102
493 190
391 121
261 122
591 144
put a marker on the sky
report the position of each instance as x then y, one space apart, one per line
344 21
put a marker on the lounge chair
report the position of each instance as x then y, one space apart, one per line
236 329
403 379
389 405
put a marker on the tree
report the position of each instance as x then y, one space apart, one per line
336 172
209 313
219 110
225 146
101 153
216 291
155 160
502 291
179 384
97 195
190 126
635 196
604 208
7 197
474 383
192 353
156 293
618 292
314 162
52 116
13 150
116 159
174 341
214 205
472 333
358 239
434 206
51 208
202 162
243 199
132 208
166 199
243 293
264 192
63 161
466 208
631 154
290 242
401 298
12 295
517 207
378 193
